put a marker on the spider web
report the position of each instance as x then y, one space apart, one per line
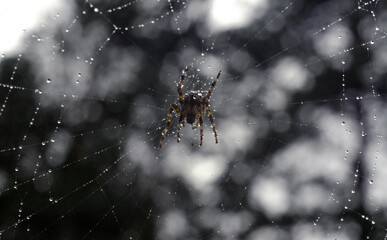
299 110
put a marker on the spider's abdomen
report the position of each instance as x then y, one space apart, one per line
190 118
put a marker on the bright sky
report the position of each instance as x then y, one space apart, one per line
233 14
19 17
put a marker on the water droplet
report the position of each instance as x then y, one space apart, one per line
371 181
48 80
372 42
50 199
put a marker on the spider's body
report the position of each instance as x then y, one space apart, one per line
192 107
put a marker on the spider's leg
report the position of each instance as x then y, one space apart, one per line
212 122
201 130
212 86
181 119
197 123
177 109
181 83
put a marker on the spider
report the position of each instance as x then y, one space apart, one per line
192 107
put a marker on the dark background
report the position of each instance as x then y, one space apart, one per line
300 111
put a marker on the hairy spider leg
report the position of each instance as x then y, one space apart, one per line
212 122
181 119
179 90
197 122
201 130
177 109
212 86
